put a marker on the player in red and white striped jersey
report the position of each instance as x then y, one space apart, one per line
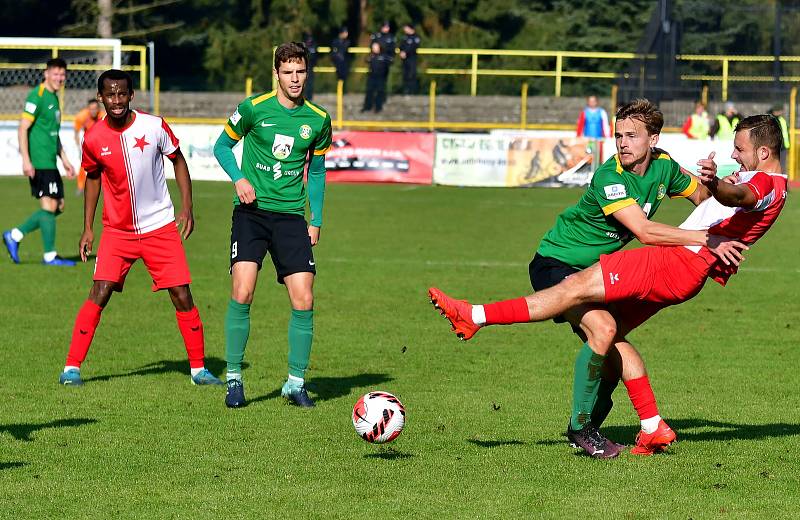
124 155
637 283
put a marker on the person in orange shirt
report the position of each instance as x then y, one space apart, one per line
84 120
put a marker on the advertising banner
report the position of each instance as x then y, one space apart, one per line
510 159
381 157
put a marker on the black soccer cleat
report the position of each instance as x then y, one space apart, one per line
298 397
234 397
593 443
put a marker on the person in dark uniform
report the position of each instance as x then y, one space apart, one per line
408 53
385 39
339 56
311 46
376 79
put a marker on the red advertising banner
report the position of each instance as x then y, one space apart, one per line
381 157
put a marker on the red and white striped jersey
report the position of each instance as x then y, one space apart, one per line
745 225
131 165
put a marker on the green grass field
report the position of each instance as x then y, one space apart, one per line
485 419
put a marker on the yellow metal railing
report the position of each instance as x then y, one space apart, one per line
560 70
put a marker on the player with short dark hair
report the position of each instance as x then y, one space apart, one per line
282 132
39 146
84 121
625 193
123 155
637 283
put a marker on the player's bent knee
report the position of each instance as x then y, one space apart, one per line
101 292
242 295
303 303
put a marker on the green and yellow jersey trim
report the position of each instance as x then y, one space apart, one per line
29 117
316 109
263 97
231 133
616 206
691 188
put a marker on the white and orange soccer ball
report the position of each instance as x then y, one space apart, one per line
379 417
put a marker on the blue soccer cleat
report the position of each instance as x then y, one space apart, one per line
204 377
297 396
234 397
58 261
71 377
12 246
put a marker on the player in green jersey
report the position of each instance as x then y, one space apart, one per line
624 194
282 134
39 146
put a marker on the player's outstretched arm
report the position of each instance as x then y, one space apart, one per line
185 218
91 194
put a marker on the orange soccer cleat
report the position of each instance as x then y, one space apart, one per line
458 312
656 442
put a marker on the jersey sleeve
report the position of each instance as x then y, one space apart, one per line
680 184
610 191
88 159
323 142
167 142
80 119
240 121
763 188
31 109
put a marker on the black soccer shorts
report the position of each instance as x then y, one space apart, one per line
255 231
47 183
545 272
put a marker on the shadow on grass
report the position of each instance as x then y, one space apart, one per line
11 465
494 444
327 388
22 432
165 366
711 431
389 455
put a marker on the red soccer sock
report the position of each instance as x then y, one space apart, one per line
507 312
192 331
642 397
83 333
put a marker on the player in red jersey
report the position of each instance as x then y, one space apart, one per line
123 153
637 283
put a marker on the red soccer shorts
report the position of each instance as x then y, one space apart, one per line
640 282
161 250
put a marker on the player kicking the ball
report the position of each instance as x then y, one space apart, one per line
123 153
282 133
637 283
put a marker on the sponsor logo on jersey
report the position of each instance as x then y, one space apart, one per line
235 117
264 123
104 151
276 171
662 190
613 278
50 106
282 146
615 191
305 131
30 107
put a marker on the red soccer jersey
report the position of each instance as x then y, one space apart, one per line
745 225
131 166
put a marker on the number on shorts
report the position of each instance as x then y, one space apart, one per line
234 249
53 187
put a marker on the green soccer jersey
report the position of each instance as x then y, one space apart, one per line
277 142
41 107
587 230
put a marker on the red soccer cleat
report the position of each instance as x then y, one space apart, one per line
656 442
458 312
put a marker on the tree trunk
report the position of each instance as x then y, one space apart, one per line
105 13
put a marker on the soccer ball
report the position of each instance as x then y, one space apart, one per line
379 417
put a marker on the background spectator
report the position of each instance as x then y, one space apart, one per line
724 124
376 79
408 53
339 55
593 120
697 124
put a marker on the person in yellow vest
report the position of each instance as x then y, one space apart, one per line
697 124
724 124
777 112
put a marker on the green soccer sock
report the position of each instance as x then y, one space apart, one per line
237 330
33 222
585 386
301 333
47 223
604 403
